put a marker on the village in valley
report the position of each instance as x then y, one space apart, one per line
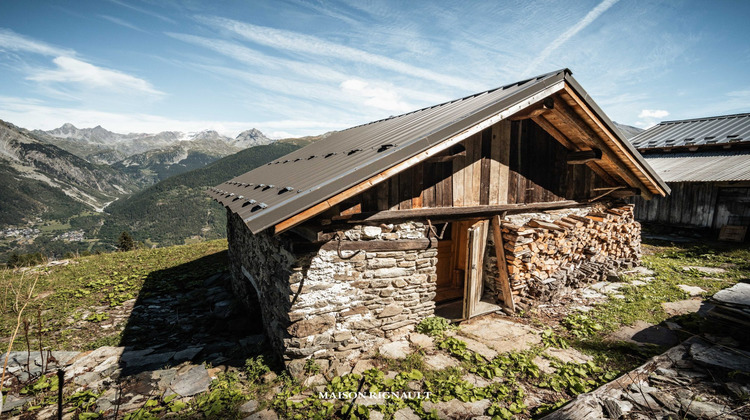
503 251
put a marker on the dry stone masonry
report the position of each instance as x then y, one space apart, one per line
334 305
341 301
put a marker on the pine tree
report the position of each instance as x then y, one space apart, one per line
125 242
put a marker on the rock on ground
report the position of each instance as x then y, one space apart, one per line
395 350
644 333
440 361
501 334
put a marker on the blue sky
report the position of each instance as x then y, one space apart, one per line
298 67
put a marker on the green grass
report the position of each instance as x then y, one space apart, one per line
107 280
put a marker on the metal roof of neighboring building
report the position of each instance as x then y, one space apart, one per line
703 167
283 188
723 129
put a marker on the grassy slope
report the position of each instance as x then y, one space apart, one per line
105 279
177 208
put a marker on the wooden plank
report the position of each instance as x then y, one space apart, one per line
502 266
494 193
468 173
457 180
382 195
417 186
378 245
428 184
462 212
554 132
484 185
475 268
405 189
393 196
476 172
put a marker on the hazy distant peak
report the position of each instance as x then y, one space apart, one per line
250 138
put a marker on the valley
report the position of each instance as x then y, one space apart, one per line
73 191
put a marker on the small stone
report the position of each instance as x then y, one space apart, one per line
315 325
682 307
395 350
187 354
440 361
249 407
405 413
390 310
315 380
263 415
371 232
421 340
12 402
362 366
455 409
691 290
704 270
192 381
399 283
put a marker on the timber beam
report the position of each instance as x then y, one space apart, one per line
439 214
584 156
585 134
547 104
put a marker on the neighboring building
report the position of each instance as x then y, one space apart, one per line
706 163
347 243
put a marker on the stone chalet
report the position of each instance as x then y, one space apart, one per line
495 201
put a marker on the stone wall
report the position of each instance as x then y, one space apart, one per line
331 305
549 254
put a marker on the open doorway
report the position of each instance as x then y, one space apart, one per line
460 293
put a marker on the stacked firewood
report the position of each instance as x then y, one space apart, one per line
541 248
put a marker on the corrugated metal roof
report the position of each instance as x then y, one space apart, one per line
703 167
281 189
723 129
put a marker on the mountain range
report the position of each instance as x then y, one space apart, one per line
91 184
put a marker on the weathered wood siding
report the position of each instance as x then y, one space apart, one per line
700 204
509 163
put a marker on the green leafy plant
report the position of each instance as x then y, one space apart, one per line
311 367
97 317
256 367
581 325
551 339
434 326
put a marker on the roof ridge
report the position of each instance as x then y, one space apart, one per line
716 117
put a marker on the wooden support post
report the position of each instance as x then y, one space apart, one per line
502 267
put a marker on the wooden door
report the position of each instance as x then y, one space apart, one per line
451 265
476 243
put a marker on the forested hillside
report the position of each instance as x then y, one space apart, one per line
177 208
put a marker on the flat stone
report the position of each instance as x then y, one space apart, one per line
691 290
739 294
500 334
187 354
134 355
440 361
569 355
704 270
640 271
371 232
363 365
263 415
376 415
249 407
107 400
395 350
644 333
405 413
12 402
682 307
421 340
314 325
314 380
638 283
192 381
718 356
707 410
455 409
223 309
478 347
475 380
390 310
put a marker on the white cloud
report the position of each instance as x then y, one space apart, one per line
591 16
377 97
653 113
307 44
71 70
11 41
123 23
